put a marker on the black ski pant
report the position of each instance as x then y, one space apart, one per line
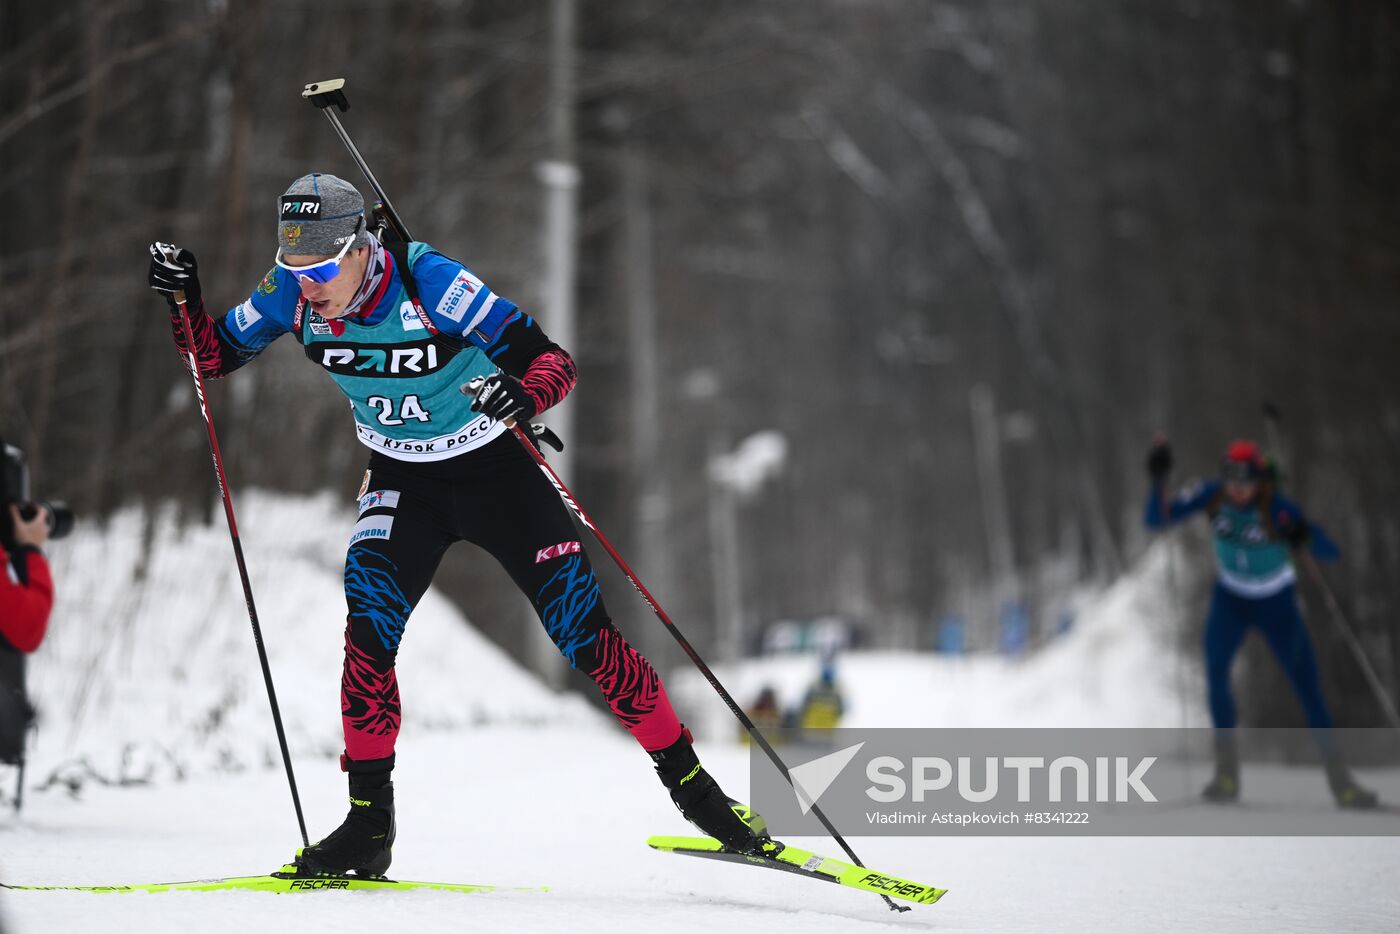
497 498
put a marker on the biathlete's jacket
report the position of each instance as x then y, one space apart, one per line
1251 550
401 366
26 597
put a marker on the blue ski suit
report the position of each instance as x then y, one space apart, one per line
1255 588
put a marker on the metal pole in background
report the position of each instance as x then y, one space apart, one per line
722 509
986 435
559 175
644 357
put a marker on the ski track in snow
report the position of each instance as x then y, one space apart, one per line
502 782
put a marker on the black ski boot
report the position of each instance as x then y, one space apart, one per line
1224 788
700 799
362 844
1345 789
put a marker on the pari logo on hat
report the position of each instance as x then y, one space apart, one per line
301 207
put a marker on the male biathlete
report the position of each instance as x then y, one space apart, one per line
401 328
1254 529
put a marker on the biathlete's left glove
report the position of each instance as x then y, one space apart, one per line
172 270
1295 533
502 396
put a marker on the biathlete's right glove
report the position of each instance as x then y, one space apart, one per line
1159 460
174 270
503 397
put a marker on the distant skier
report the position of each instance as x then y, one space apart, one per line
765 712
443 469
1254 529
823 704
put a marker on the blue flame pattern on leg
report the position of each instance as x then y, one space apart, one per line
564 602
373 594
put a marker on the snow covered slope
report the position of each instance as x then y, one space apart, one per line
150 670
1118 667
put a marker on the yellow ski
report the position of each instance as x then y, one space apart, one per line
806 863
284 881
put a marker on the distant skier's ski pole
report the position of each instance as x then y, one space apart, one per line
753 731
238 556
1272 417
1339 619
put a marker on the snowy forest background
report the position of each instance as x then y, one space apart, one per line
965 257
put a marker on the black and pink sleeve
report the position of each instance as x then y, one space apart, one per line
545 369
222 346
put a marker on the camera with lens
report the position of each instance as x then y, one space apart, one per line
14 489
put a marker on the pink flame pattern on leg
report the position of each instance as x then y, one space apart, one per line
369 705
634 691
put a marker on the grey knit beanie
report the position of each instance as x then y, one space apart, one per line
316 215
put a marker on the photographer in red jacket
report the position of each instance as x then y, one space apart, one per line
26 589
26 596
26 593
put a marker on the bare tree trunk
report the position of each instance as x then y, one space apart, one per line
62 292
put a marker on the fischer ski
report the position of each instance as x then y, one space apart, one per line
805 863
286 880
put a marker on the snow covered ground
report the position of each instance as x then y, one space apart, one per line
502 781
570 809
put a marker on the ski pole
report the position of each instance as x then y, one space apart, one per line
1272 417
327 96
238 556
520 433
1339 619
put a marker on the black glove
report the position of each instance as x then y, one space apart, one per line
1295 533
501 397
174 270
1159 461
